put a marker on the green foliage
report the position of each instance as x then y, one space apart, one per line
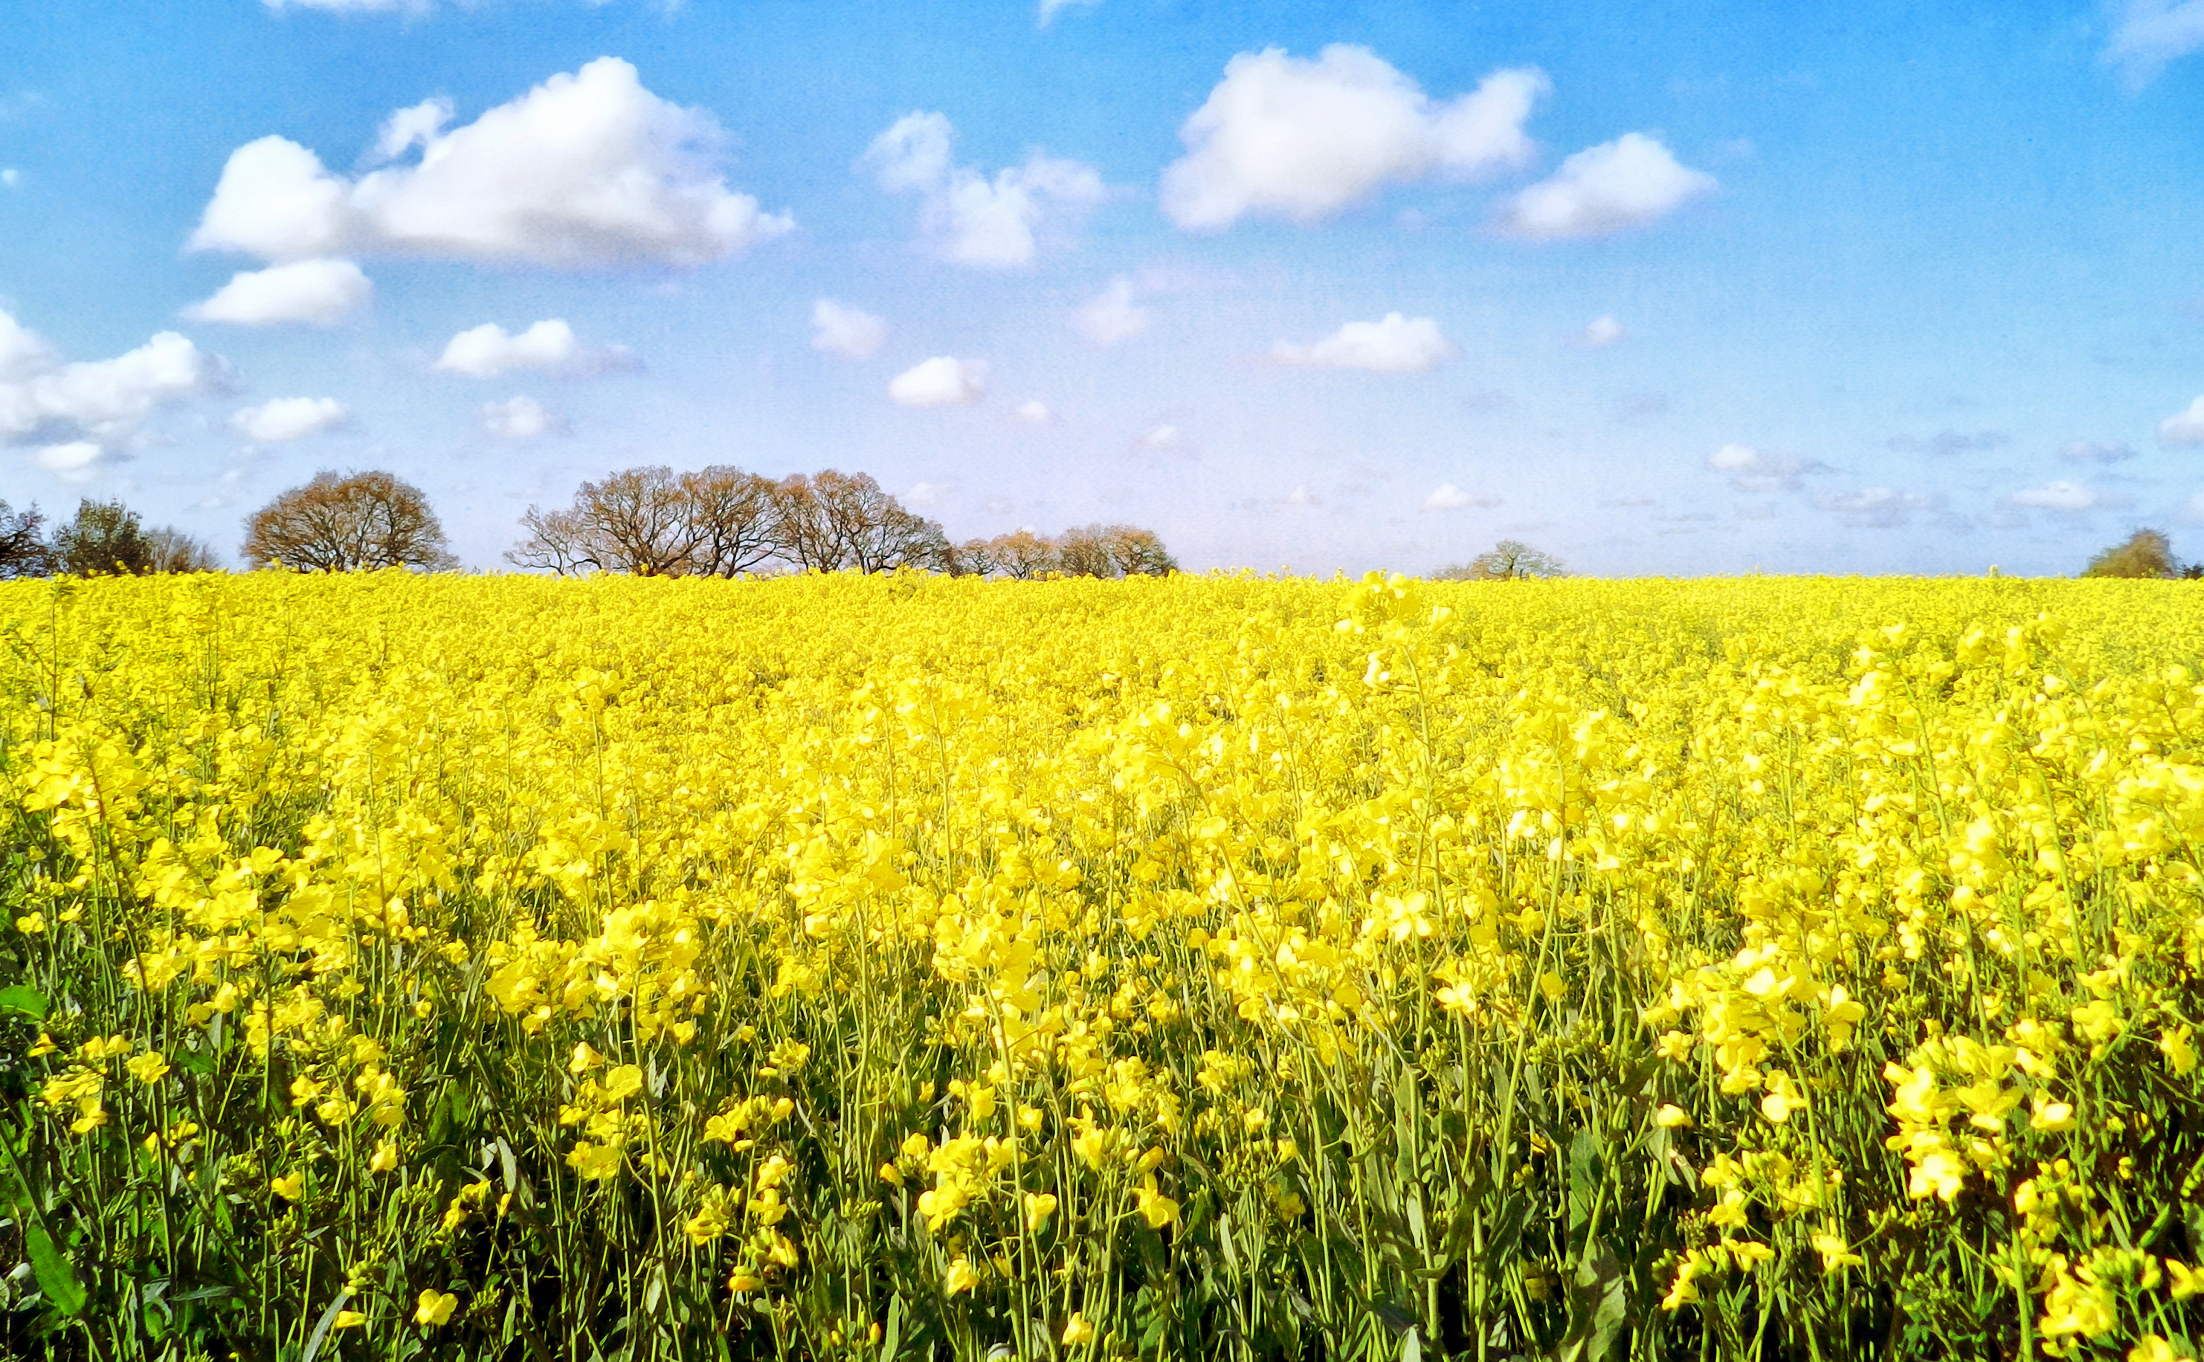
103 539
2145 553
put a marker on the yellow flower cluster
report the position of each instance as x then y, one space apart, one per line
1189 964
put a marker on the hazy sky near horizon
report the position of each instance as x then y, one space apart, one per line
1662 288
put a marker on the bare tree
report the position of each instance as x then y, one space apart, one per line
1022 555
731 513
803 535
346 523
834 520
637 520
172 550
1137 552
23 551
1084 551
1506 560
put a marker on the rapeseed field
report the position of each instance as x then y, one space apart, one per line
887 967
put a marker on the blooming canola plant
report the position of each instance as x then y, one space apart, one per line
842 966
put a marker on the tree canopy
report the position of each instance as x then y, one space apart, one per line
1510 559
2145 553
347 523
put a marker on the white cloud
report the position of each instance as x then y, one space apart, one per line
585 169
2095 451
1036 413
1048 9
2184 428
1600 333
1302 496
488 350
845 330
103 398
967 218
520 418
1393 344
410 128
2193 508
942 381
290 418
1447 497
1286 137
1161 438
318 292
75 461
1616 185
2152 33
1758 471
1113 316
929 493
2065 497
11 177
1877 507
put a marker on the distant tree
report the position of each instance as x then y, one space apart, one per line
833 520
1085 551
175 551
637 521
2145 553
732 514
347 523
23 551
104 538
1507 560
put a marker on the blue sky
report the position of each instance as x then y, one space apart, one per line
1661 288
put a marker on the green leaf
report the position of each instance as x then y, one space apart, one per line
55 1277
892 1341
24 999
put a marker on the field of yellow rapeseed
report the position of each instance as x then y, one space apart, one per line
896 966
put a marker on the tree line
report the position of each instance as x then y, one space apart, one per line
721 521
652 521
104 538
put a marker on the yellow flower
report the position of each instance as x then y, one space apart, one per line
1077 1330
1039 1206
31 924
148 1068
584 1059
1156 1208
595 1162
1670 1116
290 1186
960 1277
435 1308
347 1319
384 1158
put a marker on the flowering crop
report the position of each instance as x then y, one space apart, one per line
901 966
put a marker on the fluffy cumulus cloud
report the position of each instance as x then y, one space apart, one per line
943 381
1393 344
1604 189
290 418
1877 507
1758 471
967 217
488 350
2067 498
520 418
319 292
1600 333
1113 317
585 169
845 330
1447 497
73 461
101 401
1036 413
1283 136
2184 427
2151 33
